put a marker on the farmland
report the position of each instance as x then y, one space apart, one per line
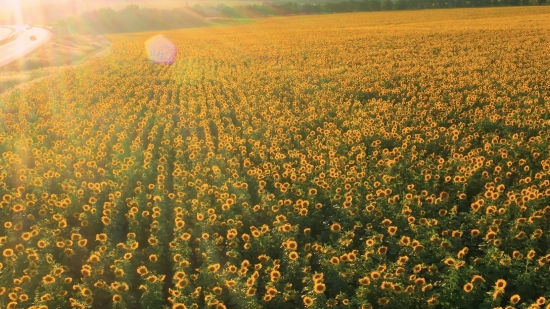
368 160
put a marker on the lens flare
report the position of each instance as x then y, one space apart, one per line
161 50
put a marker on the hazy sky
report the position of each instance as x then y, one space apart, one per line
45 11
11 3
36 9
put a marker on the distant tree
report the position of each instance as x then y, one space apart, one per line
227 11
375 5
420 4
387 5
289 8
198 9
402 5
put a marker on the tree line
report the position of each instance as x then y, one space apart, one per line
130 19
271 9
136 19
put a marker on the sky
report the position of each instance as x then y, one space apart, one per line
15 3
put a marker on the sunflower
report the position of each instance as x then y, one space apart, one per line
500 284
477 279
99 284
468 287
250 292
119 272
214 267
490 236
275 275
142 270
292 245
58 271
86 271
515 299
105 220
432 301
382 250
319 288
184 237
117 298
405 241
402 260
101 237
181 284
420 281
399 270
230 283
86 292
386 285
364 281
94 258
48 279
336 227
217 290
152 279
293 255
45 297
308 301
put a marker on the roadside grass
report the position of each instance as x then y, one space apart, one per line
60 52
5 32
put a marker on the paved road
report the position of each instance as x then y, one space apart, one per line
4 32
23 45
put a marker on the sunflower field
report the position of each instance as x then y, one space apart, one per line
370 160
